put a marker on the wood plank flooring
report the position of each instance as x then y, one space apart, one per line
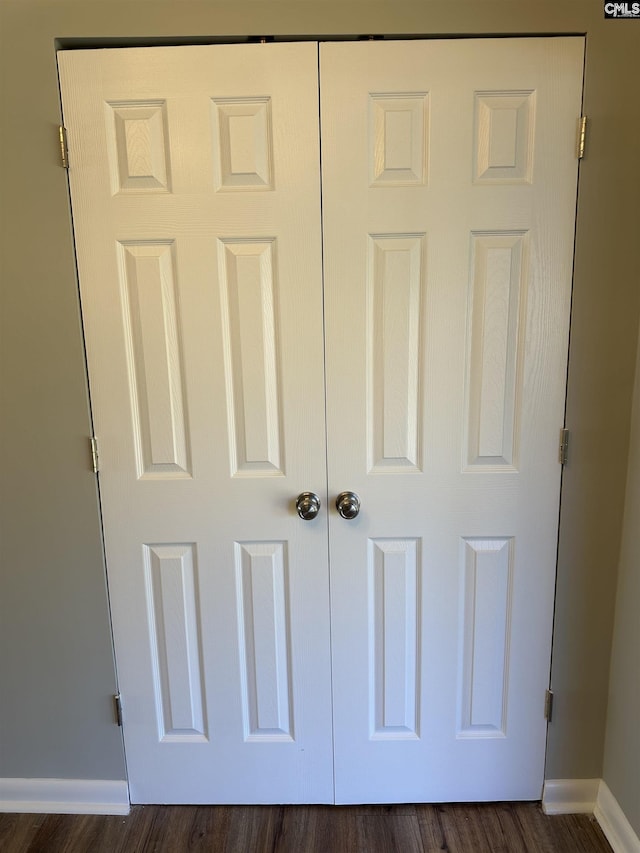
486 828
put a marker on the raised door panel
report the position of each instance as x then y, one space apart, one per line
394 653
497 311
155 358
248 275
175 631
395 275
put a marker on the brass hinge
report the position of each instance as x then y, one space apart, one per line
117 705
563 454
95 462
582 135
548 705
64 148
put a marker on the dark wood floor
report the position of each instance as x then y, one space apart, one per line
494 828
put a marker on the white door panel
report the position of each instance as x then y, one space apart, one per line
447 290
197 210
448 196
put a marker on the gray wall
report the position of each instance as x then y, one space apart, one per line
622 745
56 670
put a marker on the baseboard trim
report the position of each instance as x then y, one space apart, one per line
64 796
570 796
613 822
592 796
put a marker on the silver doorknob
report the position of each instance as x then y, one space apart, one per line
348 504
308 505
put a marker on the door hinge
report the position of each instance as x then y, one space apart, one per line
64 148
548 705
95 462
563 454
117 705
582 135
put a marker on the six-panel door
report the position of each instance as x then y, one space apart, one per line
449 181
195 184
196 198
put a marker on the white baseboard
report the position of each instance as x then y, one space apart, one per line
592 796
570 796
620 834
64 796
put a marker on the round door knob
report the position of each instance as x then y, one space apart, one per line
308 505
348 504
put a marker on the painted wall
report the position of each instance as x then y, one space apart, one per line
56 670
622 745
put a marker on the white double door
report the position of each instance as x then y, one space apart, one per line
352 276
